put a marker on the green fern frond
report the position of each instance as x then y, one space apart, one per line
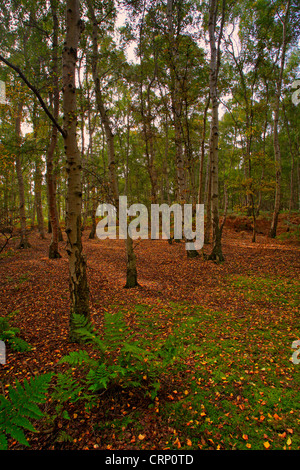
68 389
9 334
80 321
20 406
115 330
63 436
76 358
124 360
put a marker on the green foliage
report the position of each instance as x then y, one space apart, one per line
17 410
10 334
123 360
68 389
292 233
283 291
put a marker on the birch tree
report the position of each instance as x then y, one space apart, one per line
79 291
277 152
214 43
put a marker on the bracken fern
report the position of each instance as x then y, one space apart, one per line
20 407
123 360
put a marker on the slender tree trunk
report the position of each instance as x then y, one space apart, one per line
177 108
149 144
92 233
176 102
166 161
37 207
38 199
51 186
53 248
292 177
101 108
277 152
79 291
216 253
207 230
131 275
90 190
127 154
131 259
200 197
24 243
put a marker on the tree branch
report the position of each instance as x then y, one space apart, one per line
35 91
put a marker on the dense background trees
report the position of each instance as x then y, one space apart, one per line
175 101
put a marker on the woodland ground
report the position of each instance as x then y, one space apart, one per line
235 388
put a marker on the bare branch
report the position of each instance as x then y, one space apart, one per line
35 91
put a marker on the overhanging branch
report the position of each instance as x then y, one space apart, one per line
35 91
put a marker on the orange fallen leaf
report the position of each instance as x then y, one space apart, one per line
177 442
266 444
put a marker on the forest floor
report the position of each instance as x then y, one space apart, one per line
234 386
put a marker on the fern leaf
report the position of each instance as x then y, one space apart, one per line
76 358
3 442
23 422
21 406
18 434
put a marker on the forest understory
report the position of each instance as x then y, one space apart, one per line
235 386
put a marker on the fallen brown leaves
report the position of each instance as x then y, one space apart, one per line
36 288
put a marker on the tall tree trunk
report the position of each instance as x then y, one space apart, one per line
53 247
130 256
24 243
177 108
176 102
79 291
131 274
277 152
149 141
51 186
201 165
292 153
92 233
37 183
216 253
207 230
101 108
38 199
